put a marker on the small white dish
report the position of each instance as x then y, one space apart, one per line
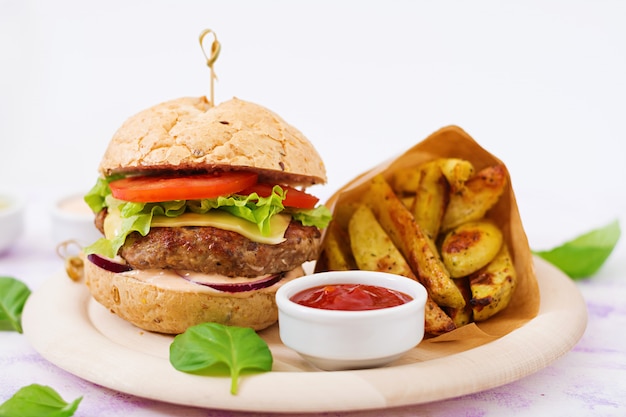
12 208
72 219
340 340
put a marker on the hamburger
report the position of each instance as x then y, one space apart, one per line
204 214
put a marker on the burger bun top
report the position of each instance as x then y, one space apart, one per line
189 134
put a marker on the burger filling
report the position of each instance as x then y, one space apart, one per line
212 250
189 222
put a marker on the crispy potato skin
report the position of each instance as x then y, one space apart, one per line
431 198
372 248
464 315
476 197
437 322
493 286
470 246
418 249
374 251
406 180
338 256
457 172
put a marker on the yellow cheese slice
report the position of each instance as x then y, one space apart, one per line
214 218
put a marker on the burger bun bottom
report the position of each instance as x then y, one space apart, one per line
157 307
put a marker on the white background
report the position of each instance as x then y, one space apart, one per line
540 84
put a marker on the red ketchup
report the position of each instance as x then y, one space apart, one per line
351 297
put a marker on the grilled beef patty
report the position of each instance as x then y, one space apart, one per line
212 250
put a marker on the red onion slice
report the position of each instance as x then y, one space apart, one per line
250 284
108 264
238 284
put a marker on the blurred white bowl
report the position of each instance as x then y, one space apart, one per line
339 339
12 209
72 219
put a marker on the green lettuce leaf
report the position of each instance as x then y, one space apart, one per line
96 197
583 256
319 216
254 208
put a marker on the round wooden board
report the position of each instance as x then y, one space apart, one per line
86 340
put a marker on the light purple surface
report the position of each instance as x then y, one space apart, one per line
588 380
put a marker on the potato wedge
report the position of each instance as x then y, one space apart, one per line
336 250
478 195
470 246
405 181
431 198
457 172
374 251
493 286
436 321
417 248
464 315
372 248
342 215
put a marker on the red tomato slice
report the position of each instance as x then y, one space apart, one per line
293 198
152 189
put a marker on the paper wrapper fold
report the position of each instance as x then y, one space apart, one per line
452 141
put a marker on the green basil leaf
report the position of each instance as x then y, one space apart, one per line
583 256
13 296
217 350
38 401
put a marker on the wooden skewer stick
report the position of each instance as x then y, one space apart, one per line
211 58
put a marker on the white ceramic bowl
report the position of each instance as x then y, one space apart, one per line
337 339
72 219
12 210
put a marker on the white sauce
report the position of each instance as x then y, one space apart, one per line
171 281
75 205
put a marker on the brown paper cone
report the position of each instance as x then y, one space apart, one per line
452 141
